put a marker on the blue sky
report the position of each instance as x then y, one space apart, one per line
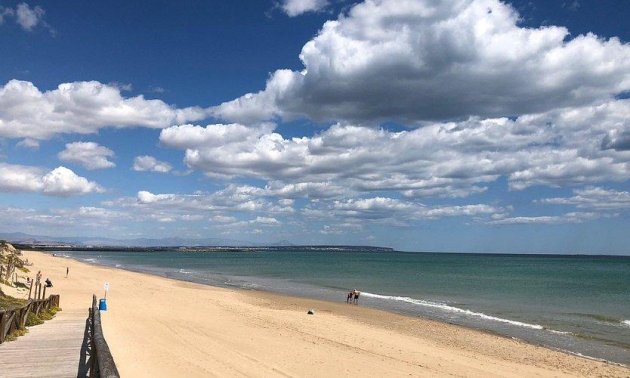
464 125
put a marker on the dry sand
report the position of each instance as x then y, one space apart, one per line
157 327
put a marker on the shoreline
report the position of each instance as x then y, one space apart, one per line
420 336
385 309
262 292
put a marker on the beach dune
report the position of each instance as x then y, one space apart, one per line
157 327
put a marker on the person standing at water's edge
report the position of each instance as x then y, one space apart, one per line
353 296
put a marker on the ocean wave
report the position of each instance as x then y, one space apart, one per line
182 271
90 260
608 320
118 265
559 332
445 307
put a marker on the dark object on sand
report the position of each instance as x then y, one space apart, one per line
311 312
48 282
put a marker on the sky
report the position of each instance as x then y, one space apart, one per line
422 125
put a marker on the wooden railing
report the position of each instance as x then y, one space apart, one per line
12 320
102 362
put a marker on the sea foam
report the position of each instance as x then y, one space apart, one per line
445 307
626 322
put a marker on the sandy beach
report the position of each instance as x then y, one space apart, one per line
160 327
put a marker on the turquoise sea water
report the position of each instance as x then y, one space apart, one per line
579 304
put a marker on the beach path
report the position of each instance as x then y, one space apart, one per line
52 349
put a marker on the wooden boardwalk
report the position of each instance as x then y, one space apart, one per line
57 348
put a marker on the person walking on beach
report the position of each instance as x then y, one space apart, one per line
349 297
356 296
38 277
67 271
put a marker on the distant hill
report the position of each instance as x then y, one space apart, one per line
22 238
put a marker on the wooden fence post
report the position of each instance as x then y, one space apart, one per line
2 327
44 295
2 314
30 289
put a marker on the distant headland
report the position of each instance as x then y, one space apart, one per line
209 249
87 243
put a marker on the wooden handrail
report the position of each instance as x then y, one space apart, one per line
14 319
103 365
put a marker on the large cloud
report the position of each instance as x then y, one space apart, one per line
265 209
418 60
80 107
453 159
60 181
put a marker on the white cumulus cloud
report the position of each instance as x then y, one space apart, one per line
149 163
419 60
297 7
81 107
448 159
88 154
60 181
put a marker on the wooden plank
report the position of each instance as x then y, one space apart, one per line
57 348
52 349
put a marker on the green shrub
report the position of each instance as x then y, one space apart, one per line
15 334
46 315
7 302
21 285
32 320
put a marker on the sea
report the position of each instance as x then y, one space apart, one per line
577 304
